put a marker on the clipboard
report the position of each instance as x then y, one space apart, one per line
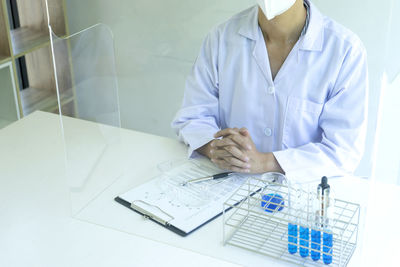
156 206
160 221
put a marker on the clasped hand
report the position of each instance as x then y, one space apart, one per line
237 152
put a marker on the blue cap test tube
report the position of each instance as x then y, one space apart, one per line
304 226
293 221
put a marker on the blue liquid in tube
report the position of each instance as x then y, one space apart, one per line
304 241
292 238
315 244
327 247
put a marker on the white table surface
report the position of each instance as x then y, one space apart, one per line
40 227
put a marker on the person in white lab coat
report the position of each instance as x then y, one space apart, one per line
278 87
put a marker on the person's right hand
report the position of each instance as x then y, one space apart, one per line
256 161
227 152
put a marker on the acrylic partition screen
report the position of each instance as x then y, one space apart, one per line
85 75
387 146
84 65
378 27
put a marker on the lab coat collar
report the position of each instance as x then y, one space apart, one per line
249 24
312 40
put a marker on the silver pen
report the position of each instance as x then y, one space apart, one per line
212 177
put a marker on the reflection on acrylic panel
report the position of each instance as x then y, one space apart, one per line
193 195
85 72
387 157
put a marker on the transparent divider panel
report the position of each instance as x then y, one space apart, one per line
85 75
387 159
87 89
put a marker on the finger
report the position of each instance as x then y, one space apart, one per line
226 132
244 132
219 143
242 141
236 152
235 169
225 166
221 163
230 151
237 163
219 153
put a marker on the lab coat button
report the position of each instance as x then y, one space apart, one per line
271 90
268 132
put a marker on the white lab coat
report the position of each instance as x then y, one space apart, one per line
312 116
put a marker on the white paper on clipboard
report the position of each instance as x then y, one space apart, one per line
185 207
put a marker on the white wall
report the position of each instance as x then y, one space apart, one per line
157 42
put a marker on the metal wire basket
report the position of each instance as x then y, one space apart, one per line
261 225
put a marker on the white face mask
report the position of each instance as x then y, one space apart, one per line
273 8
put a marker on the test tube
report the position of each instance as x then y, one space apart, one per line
326 216
304 227
316 239
293 194
293 222
317 226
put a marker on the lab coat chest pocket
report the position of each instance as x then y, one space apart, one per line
301 125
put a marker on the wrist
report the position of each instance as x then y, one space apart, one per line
205 150
265 163
273 164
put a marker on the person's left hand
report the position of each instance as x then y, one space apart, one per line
236 151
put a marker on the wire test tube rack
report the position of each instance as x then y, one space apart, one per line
249 226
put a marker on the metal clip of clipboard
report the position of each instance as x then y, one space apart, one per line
150 215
